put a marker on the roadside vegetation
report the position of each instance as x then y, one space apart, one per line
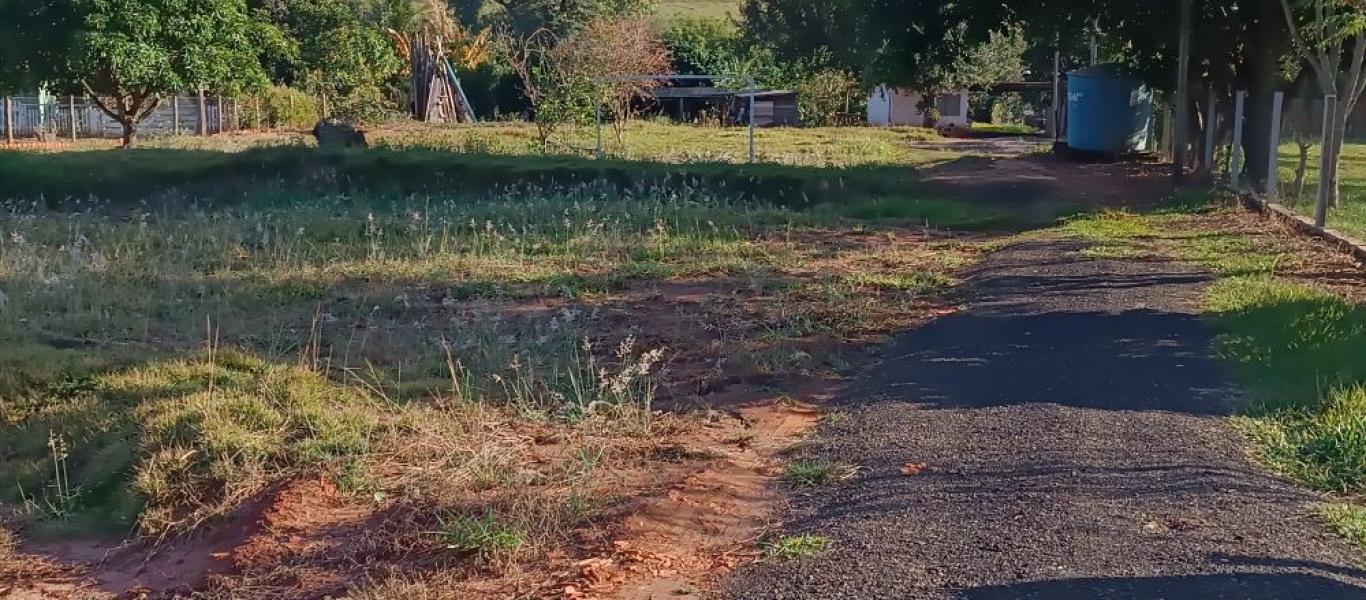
482 371
1349 216
1291 331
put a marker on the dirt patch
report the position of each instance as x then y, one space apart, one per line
704 525
1027 180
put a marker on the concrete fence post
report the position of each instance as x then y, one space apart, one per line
1211 123
1235 160
71 108
1327 162
1273 167
175 114
219 100
9 120
203 115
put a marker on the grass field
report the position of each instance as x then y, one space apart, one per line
470 346
1350 215
668 10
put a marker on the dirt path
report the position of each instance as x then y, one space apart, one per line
1072 427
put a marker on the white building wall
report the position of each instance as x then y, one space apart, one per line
892 106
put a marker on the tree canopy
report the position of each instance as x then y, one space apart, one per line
129 54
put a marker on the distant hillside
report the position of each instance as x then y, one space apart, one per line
669 10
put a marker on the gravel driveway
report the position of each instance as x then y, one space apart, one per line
1073 428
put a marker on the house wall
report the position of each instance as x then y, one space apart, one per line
892 106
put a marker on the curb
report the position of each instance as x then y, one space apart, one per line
1305 225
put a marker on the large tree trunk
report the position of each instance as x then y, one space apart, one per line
1263 75
130 133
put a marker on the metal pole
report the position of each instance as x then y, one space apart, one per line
1095 44
203 115
1181 142
9 120
1057 91
1330 109
71 108
1211 123
1273 167
751 120
1235 161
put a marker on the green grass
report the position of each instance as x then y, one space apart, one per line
816 473
484 536
1004 129
669 10
176 442
1348 520
793 547
1350 216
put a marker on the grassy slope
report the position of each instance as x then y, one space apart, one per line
1295 346
668 10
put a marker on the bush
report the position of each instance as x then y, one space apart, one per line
280 107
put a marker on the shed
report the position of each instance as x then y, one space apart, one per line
894 106
687 104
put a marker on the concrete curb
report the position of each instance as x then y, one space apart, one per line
1305 225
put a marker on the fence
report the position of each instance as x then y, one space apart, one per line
48 118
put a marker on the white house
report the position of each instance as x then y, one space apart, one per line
892 106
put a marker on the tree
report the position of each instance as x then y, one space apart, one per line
129 54
563 17
1321 30
606 52
340 55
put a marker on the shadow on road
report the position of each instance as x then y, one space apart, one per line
1241 586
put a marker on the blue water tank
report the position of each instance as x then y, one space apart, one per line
1107 111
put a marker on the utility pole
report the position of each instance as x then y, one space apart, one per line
1181 141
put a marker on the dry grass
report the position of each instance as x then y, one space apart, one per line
642 140
474 379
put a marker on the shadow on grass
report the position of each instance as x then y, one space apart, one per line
210 178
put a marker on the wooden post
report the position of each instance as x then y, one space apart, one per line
175 114
221 106
203 115
325 110
9 120
256 105
290 118
71 107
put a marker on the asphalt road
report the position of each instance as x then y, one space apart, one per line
1072 424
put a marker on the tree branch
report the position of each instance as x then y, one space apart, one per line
100 103
1325 76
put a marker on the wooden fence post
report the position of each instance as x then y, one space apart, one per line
9 120
71 107
256 104
219 97
203 115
